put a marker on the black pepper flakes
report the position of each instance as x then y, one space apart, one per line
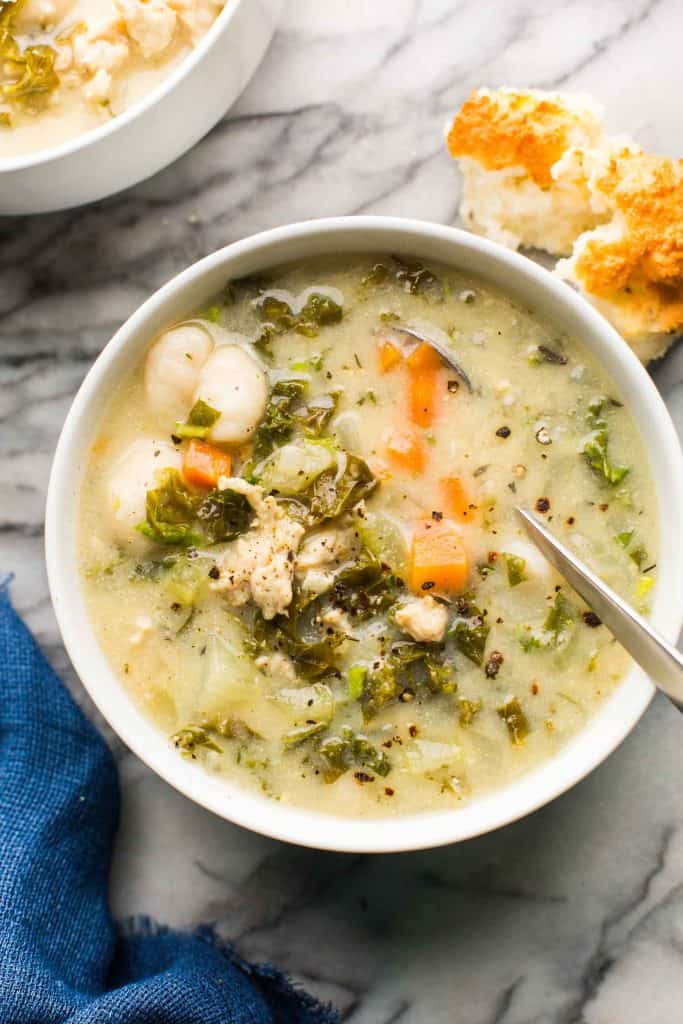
428 585
214 572
412 731
492 666
363 777
452 386
542 504
592 620
503 432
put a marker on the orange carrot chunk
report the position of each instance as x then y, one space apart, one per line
405 449
423 397
438 559
455 500
389 356
203 464
424 357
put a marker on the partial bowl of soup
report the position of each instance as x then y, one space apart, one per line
96 95
282 544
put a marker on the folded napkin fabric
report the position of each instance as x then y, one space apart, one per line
62 958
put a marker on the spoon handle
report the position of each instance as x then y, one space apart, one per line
660 659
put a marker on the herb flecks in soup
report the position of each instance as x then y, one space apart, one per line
299 545
70 65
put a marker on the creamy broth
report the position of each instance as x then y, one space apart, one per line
429 653
79 63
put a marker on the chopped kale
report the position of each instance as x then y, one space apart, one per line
516 569
171 512
639 555
417 279
468 711
277 317
595 445
295 737
335 755
279 421
409 667
515 720
199 421
33 69
236 729
224 515
313 652
193 738
365 588
356 681
316 413
376 276
331 494
320 311
176 515
557 627
469 630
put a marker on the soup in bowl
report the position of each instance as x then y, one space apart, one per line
297 554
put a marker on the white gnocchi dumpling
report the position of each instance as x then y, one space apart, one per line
131 476
172 370
233 383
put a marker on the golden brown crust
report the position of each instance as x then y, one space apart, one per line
512 130
643 270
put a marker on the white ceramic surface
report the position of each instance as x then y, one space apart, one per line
152 133
524 280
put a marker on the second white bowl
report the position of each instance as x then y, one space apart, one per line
152 133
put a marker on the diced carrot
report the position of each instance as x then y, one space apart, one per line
455 499
405 449
423 396
424 357
389 356
203 464
438 559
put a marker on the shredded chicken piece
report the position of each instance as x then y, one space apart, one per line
327 549
424 618
259 566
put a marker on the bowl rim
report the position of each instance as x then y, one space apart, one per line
548 780
93 135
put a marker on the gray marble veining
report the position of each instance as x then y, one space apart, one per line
572 916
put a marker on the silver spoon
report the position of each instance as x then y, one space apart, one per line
662 662
438 347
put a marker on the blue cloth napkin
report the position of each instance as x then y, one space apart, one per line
62 958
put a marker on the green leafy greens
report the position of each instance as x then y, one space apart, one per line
515 720
199 421
595 445
408 668
469 630
176 515
557 627
335 755
277 317
31 72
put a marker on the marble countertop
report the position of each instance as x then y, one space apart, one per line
572 916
